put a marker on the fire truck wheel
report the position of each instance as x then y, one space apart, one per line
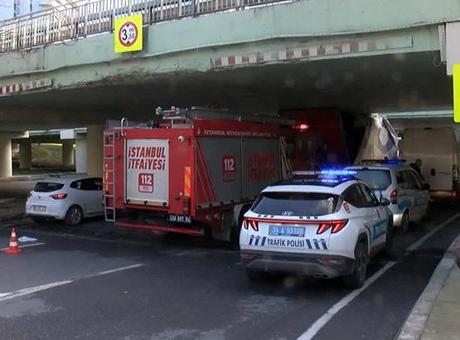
74 216
236 229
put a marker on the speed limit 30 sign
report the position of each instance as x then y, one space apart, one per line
128 34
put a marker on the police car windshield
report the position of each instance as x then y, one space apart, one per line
295 204
374 178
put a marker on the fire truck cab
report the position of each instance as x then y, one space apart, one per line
191 171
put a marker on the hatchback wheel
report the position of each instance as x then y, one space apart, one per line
358 277
74 216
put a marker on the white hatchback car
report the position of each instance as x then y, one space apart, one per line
68 198
323 225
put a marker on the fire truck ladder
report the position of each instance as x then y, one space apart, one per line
109 175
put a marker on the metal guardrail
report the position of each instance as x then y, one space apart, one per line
87 18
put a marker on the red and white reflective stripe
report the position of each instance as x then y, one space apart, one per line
26 86
313 51
187 181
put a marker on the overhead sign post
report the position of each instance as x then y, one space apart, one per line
128 34
456 71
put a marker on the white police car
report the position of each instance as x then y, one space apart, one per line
324 224
401 185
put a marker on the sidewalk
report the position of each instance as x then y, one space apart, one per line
444 320
436 315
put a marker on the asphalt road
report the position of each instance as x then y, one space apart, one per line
96 282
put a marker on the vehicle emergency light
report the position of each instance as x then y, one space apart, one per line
338 172
302 127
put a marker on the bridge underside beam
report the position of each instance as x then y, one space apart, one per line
364 84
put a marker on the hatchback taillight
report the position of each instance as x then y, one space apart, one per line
59 196
394 197
335 226
247 222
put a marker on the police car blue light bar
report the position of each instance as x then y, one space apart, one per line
337 172
392 161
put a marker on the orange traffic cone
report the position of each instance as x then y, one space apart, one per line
13 248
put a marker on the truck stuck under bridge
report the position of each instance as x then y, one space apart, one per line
198 171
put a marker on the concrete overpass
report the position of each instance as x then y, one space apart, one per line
358 55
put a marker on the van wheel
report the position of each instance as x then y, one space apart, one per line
405 223
358 277
74 216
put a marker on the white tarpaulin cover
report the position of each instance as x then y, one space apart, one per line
380 140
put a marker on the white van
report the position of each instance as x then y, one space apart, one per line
437 148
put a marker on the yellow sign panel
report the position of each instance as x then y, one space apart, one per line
128 34
457 93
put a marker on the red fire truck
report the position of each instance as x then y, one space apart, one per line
192 171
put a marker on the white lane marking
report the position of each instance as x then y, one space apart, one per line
118 269
419 242
32 290
414 326
325 318
26 246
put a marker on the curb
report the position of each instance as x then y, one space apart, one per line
415 323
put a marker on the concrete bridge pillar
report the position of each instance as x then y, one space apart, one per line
67 153
80 156
25 154
6 162
94 149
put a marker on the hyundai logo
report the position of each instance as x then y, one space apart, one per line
287 213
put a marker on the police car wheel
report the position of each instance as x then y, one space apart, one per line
358 277
405 223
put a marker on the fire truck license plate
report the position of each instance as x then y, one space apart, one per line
180 219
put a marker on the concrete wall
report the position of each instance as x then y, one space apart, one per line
80 155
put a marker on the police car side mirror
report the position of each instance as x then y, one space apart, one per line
384 202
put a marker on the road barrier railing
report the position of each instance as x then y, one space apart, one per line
65 22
